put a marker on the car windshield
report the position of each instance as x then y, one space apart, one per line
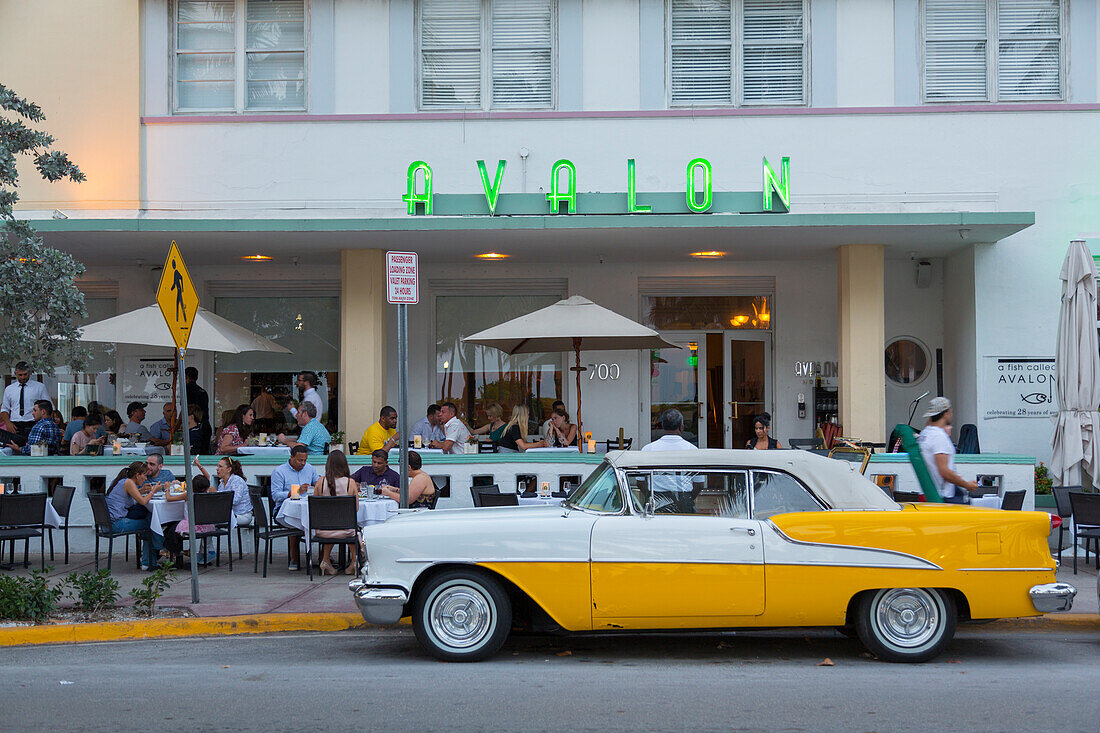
599 492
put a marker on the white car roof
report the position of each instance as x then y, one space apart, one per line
837 483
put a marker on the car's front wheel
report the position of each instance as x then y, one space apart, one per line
462 616
906 624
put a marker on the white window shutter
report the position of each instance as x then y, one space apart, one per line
205 44
450 54
774 52
521 63
955 50
701 52
1029 60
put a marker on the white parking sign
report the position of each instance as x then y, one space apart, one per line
402 285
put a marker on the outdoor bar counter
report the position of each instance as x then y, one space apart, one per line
454 474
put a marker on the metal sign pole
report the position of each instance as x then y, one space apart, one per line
403 399
187 482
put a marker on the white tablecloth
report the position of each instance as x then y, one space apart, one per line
52 518
537 500
264 450
162 512
992 501
295 512
421 451
133 450
5 451
552 450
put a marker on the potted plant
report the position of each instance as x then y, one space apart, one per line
336 441
1043 485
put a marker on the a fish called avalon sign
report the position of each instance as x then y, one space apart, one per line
698 197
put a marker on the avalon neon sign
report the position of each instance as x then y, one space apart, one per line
698 197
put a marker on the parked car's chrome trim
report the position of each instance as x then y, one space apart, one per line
1050 597
382 605
906 555
1005 570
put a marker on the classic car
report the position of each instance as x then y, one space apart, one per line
710 539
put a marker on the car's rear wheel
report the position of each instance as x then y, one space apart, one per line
906 624
462 616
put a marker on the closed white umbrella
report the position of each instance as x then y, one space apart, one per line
146 326
1076 438
570 325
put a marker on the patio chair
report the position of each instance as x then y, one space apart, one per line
479 492
613 444
1013 500
101 518
1086 524
215 509
262 529
22 517
1065 511
62 501
332 512
500 500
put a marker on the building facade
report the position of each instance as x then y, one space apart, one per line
941 158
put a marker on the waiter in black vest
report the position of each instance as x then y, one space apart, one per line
19 399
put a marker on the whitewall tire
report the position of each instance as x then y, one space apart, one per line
462 616
906 624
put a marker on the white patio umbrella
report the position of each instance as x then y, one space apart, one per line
570 325
1076 438
146 326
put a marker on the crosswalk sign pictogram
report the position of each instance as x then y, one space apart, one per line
177 297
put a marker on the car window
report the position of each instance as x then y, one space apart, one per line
599 492
707 493
778 493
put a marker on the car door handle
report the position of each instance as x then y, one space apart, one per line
750 530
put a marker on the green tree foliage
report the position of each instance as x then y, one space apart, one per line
40 303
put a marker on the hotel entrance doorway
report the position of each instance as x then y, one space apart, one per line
719 380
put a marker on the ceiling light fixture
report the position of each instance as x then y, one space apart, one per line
257 258
709 255
491 256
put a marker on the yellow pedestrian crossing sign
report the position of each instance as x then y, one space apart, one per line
177 298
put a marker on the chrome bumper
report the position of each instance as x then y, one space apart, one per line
1050 597
379 605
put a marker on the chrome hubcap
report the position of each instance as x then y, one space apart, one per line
908 617
460 615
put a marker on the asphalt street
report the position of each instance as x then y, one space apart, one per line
989 680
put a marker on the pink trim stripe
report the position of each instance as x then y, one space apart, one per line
624 114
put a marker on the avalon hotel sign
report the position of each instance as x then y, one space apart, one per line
698 197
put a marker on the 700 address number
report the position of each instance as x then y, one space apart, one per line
603 371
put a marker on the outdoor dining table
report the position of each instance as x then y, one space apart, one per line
551 450
264 450
295 512
539 500
421 451
991 501
147 450
162 512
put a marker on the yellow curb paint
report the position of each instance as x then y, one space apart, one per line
174 627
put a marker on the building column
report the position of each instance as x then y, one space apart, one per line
362 339
861 329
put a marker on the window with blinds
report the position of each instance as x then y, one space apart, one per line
483 54
240 55
737 52
993 50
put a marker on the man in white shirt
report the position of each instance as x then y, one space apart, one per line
939 453
672 422
454 430
307 386
19 399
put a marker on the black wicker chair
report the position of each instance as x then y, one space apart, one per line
62 501
332 512
22 517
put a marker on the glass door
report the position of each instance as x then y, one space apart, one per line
748 371
674 381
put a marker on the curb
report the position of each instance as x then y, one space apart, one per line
179 627
283 622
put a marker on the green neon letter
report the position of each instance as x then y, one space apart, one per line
555 196
708 175
632 192
780 184
491 192
411 197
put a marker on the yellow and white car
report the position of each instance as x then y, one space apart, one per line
710 539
